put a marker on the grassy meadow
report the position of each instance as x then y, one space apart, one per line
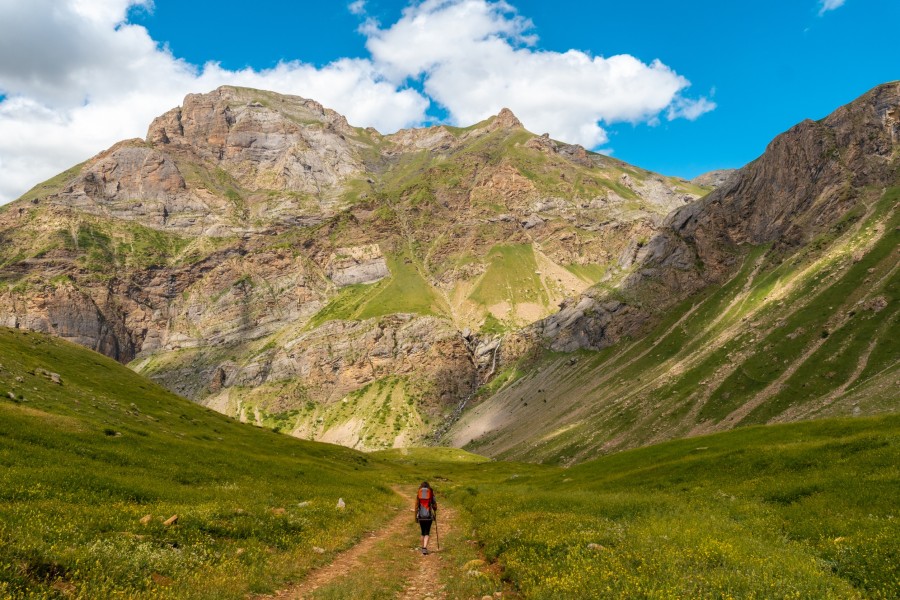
88 449
84 460
808 510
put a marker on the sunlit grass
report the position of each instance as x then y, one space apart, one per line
83 461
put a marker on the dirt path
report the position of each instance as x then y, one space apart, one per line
399 536
425 579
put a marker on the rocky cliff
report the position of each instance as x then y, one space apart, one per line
773 298
806 180
258 254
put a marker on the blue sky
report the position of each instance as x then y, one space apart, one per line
729 77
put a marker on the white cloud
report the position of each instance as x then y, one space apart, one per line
826 5
358 7
477 56
77 77
685 108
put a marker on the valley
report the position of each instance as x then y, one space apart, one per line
622 384
97 461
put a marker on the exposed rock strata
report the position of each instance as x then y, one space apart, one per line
803 183
254 241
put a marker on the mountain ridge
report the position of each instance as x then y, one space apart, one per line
257 253
732 315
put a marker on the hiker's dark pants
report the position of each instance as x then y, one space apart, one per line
425 524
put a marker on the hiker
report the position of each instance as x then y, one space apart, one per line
426 512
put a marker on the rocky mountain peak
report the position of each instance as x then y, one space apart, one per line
713 179
505 119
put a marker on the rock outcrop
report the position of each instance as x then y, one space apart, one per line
713 179
259 254
808 177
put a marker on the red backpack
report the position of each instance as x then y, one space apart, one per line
425 497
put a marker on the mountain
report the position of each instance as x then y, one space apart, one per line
773 298
257 254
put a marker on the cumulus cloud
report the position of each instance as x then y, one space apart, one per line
826 5
476 57
76 76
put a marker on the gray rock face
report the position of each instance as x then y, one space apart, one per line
365 272
360 264
294 149
297 145
217 253
791 193
68 313
713 179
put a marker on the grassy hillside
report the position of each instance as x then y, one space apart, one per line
88 448
803 510
808 335
405 291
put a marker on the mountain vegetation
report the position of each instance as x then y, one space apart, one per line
230 350
98 459
771 299
257 254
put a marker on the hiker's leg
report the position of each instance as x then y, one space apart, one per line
425 541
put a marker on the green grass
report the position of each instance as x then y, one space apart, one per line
381 413
591 273
805 510
83 461
53 185
510 277
422 455
796 511
405 291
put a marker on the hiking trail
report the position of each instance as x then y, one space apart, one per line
390 553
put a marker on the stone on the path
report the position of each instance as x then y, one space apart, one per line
593 546
341 505
318 550
146 519
171 521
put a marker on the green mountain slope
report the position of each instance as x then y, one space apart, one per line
88 448
784 339
774 298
